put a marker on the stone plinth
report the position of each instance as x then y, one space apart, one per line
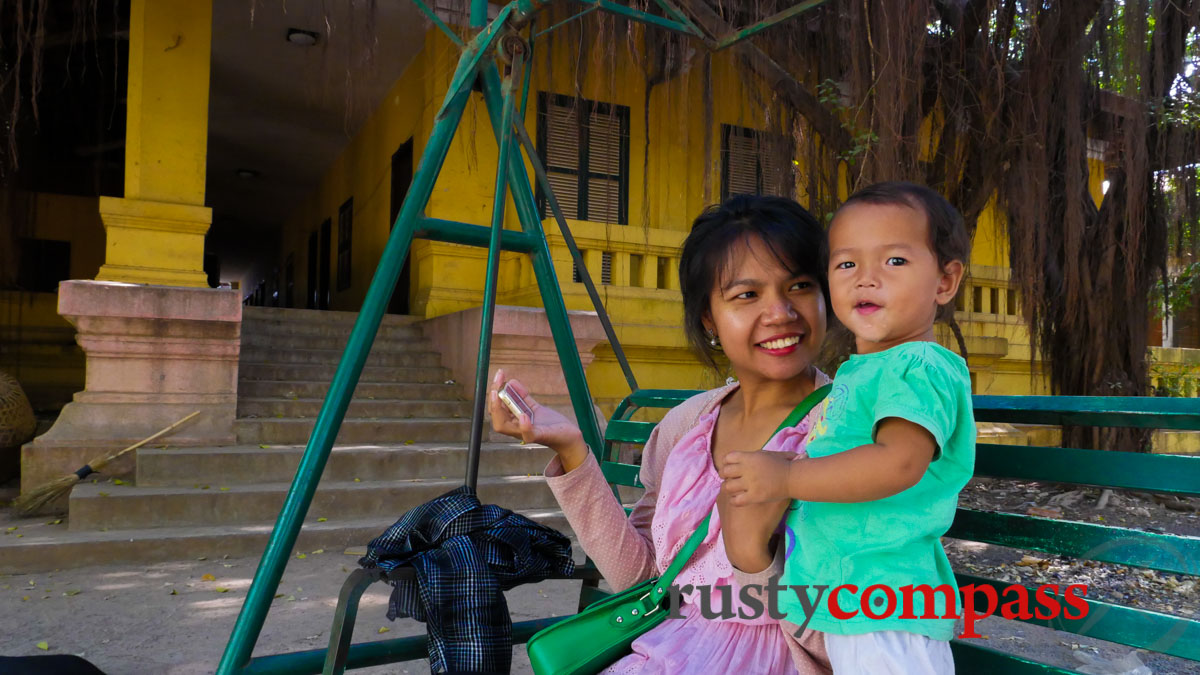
154 355
521 344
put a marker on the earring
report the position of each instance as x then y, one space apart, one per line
713 340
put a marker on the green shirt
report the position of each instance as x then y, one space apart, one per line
895 541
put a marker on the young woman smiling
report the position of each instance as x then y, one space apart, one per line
754 288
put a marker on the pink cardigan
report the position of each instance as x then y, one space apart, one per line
621 547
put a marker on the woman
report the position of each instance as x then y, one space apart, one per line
753 287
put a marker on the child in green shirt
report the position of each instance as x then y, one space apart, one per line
893 446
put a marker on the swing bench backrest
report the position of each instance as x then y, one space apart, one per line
1111 468
1135 627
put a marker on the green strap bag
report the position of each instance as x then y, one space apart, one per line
599 635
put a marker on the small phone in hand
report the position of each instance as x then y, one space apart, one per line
509 396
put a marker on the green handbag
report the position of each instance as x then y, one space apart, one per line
593 639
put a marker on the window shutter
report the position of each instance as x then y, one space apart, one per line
606 268
754 163
604 157
562 155
742 164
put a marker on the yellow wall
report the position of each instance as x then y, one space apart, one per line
681 176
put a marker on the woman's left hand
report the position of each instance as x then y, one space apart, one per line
756 477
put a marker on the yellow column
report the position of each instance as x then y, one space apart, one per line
155 234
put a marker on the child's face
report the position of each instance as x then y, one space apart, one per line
771 323
884 280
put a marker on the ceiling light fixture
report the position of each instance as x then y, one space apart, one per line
302 38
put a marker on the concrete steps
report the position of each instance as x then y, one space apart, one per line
100 505
408 339
323 374
330 357
360 407
296 430
296 389
289 356
402 443
248 465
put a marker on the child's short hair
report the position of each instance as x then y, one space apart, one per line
947 234
792 234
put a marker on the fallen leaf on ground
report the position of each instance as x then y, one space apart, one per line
321 520
208 577
301 556
318 551
43 645
384 629
118 481
174 592
1045 512
221 589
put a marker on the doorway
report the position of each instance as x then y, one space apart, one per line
324 264
310 299
402 175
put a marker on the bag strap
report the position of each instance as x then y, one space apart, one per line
697 537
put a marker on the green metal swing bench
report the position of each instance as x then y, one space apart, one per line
1134 627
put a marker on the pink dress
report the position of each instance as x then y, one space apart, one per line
681 489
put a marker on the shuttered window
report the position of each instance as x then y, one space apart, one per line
754 162
584 146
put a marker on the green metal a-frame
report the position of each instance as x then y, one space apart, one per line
506 109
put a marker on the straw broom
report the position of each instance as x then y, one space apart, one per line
48 492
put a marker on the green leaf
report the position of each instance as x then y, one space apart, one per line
43 645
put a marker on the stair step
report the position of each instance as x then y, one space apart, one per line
242 465
283 355
327 330
98 505
295 431
405 391
289 340
359 408
53 548
324 373
258 314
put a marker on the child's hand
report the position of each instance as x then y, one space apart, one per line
756 477
548 426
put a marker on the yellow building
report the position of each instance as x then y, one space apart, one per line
297 145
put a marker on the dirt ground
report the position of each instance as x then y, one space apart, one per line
176 617
171 618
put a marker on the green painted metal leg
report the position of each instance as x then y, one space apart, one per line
283 538
342 632
488 315
543 268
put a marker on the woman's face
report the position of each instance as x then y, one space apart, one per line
771 324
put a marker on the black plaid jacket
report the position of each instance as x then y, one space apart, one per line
465 555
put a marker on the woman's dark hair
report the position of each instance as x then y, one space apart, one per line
948 238
791 233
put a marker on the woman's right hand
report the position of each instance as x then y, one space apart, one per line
548 426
